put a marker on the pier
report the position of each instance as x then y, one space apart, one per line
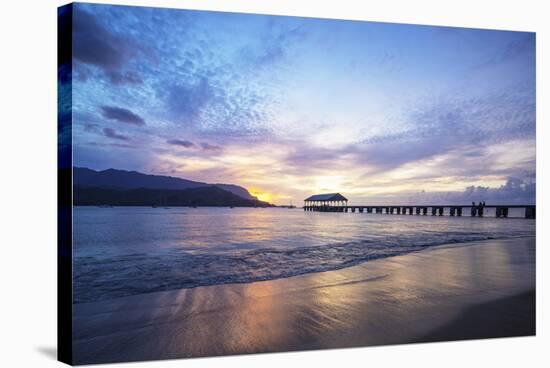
335 202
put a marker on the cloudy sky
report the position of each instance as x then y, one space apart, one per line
289 106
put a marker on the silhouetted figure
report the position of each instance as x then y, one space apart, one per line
474 209
480 209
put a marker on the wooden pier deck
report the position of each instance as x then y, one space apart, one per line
500 211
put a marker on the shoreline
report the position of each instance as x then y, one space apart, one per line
418 297
259 278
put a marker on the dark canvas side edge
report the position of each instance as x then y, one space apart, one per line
64 184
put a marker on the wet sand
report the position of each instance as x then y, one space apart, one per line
480 290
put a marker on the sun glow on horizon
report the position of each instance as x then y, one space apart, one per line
261 195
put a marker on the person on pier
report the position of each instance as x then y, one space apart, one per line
481 208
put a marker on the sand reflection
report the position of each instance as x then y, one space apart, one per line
394 300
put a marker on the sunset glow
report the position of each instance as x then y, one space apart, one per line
288 106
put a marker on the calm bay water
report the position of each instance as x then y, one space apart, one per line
125 251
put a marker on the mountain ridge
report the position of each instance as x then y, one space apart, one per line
116 179
207 196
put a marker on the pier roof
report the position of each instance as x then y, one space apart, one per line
326 197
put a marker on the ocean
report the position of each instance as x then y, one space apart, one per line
124 251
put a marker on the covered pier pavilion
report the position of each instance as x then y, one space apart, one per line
330 202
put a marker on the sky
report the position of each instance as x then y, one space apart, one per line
288 106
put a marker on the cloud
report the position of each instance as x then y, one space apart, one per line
452 121
94 44
307 159
223 93
515 191
210 147
459 123
111 133
214 108
120 78
457 129
526 44
187 100
275 45
191 149
91 127
121 115
181 143
513 49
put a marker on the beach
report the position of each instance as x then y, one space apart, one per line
474 290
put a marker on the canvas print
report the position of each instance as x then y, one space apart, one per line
242 183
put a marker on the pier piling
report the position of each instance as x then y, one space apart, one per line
501 211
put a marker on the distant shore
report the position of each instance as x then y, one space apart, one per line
478 290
